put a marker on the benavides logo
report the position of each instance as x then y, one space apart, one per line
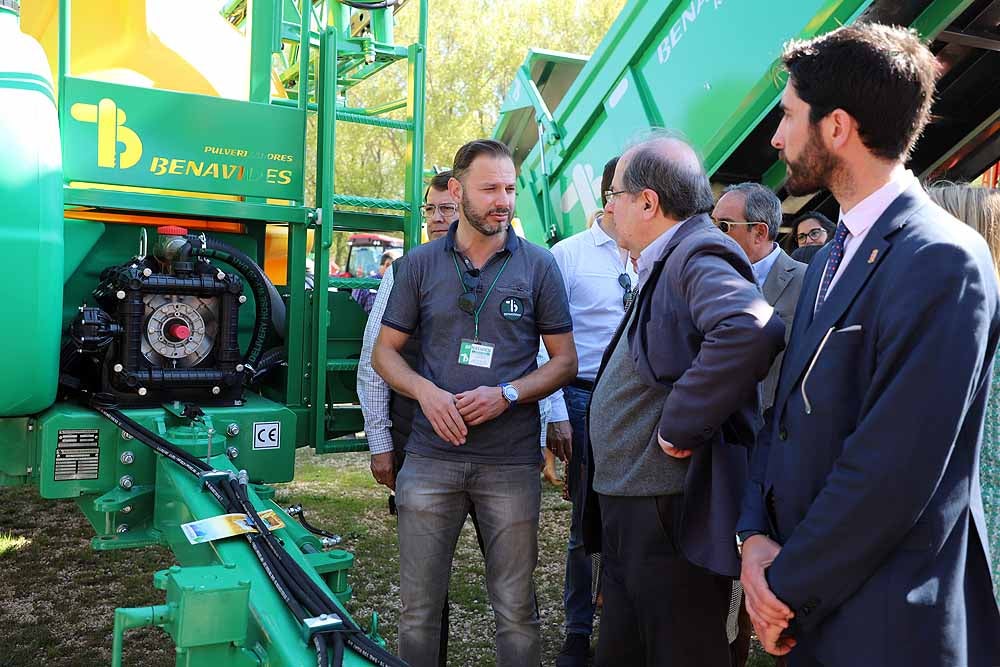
111 132
119 147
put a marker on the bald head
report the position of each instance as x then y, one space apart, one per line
671 168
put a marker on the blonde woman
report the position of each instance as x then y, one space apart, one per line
980 209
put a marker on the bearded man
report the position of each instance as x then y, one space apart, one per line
481 297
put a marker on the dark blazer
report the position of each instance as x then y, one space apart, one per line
867 471
703 331
781 289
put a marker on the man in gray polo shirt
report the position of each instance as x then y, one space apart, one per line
481 297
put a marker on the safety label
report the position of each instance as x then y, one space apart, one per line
227 525
78 454
266 435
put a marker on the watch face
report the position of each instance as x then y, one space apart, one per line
510 393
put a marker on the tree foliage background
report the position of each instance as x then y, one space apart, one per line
473 50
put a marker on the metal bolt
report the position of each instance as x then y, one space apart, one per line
126 435
126 482
126 509
142 391
240 368
123 528
305 376
243 298
220 275
233 430
216 390
119 368
147 272
232 452
128 458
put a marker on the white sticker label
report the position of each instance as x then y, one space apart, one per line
266 435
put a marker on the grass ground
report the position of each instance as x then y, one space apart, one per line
57 596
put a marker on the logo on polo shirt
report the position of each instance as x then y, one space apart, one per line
512 309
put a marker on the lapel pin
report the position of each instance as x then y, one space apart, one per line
871 257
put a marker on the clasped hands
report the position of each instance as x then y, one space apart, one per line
452 414
769 615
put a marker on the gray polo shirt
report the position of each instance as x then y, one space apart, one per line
528 300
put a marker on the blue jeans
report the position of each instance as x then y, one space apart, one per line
433 498
576 589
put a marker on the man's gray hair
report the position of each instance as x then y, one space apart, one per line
760 204
681 185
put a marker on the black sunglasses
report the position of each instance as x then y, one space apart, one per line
472 282
626 284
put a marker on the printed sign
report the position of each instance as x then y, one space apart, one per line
227 525
266 435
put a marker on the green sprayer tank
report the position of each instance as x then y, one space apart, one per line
31 223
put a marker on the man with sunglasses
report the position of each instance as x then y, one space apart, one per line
481 297
673 412
750 214
600 283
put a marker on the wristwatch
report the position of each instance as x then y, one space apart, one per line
742 537
509 392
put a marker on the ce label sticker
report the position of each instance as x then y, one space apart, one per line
266 435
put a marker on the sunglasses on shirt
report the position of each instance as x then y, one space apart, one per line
472 281
625 281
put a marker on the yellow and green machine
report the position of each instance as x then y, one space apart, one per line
165 348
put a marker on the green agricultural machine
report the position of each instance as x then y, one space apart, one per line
152 371
710 69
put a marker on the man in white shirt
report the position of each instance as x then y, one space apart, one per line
600 282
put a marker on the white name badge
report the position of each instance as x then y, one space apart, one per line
472 353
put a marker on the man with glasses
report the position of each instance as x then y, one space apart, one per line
751 215
600 283
480 297
812 228
387 414
674 409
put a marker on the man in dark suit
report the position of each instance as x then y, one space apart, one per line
863 533
673 411
750 214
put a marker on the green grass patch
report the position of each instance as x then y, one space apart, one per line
10 543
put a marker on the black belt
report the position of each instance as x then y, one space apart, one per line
585 385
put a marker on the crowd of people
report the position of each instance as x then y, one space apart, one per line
803 443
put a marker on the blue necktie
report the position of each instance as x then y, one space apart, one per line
836 255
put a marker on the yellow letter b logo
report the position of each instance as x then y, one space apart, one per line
111 131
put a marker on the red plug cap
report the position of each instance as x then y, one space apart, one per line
171 230
178 332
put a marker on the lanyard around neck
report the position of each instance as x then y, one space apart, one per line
475 315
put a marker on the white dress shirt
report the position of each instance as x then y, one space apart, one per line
590 263
762 268
860 219
651 253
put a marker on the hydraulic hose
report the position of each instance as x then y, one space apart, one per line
302 595
270 309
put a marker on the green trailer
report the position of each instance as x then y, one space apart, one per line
710 69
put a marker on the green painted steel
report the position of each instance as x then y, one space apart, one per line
221 608
31 231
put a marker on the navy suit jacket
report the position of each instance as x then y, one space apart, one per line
703 330
867 473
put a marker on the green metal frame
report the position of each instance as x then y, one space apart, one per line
313 399
650 70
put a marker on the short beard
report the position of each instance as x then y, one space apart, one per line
814 170
478 221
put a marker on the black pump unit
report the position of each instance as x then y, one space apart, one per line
166 327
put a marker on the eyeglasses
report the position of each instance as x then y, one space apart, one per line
726 225
447 210
813 235
626 284
472 281
609 195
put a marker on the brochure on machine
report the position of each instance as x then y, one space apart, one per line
227 525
